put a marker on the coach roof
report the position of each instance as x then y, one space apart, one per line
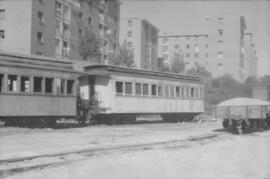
109 70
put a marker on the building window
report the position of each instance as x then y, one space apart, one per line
197 48
58 7
187 54
206 55
60 85
220 20
165 39
220 54
119 87
70 87
12 83
145 89
206 45
165 56
65 48
153 90
138 88
196 55
130 23
80 31
164 48
2 34
2 13
40 17
220 31
1 82
40 37
177 91
89 20
129 33
176 46
129 44
66 13
39 53
80 15
48 85
220 66
38 84
128 88
160 91
188 46
42 1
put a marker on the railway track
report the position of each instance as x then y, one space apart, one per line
23 164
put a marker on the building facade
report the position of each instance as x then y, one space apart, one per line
54 28
250 59
142 37
190 48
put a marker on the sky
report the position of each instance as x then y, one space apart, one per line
170 16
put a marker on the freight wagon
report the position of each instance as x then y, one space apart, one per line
244 114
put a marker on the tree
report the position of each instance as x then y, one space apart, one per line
178 64
161 66
124 57
199 70
89 45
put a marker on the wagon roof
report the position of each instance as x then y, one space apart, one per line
243 102
109 70
35 62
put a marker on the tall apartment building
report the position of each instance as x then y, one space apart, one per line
250 59
190 48
225 49
54 27
142 37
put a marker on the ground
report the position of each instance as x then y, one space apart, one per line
175 150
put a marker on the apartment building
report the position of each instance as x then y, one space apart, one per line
190 48
54 27
226 48
142 37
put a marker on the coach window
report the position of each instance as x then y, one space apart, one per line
60 86
145 89
48 85
25 84
70 87
160 91
119 87
138 88
1 82
166 91
172 91
154 90
37 84
177 91
128 88
192 92
12 83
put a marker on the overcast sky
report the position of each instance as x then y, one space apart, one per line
171 16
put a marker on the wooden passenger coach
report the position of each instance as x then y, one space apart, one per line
34 88
138 94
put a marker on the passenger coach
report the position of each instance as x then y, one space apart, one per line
36 89
125 94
